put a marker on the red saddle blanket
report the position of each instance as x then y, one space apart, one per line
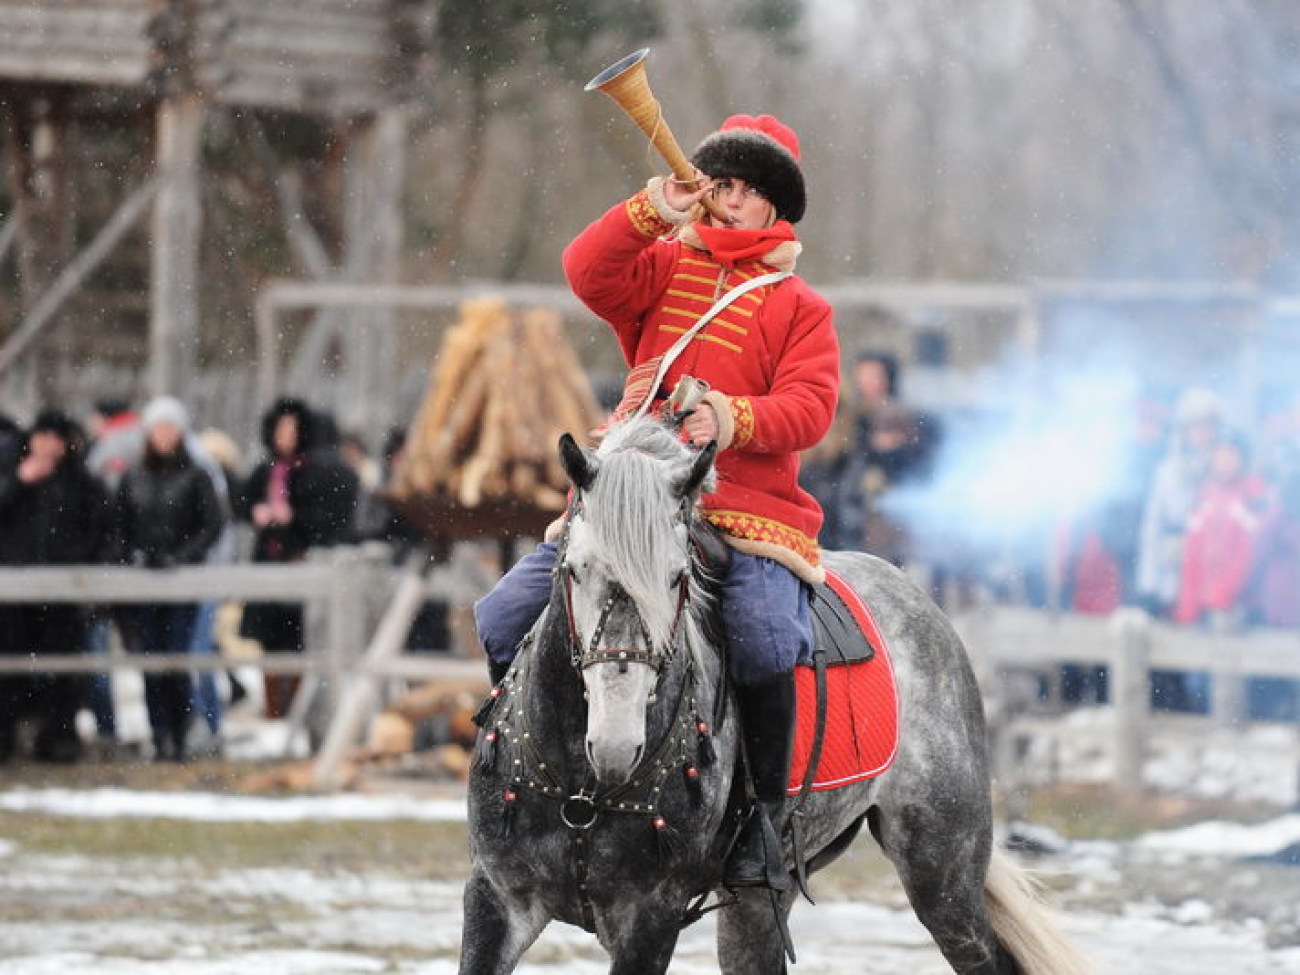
861 731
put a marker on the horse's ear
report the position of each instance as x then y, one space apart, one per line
576 463
701 468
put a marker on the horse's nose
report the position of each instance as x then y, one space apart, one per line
612 763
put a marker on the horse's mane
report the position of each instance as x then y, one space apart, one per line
631 510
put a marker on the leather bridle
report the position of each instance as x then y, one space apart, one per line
593 653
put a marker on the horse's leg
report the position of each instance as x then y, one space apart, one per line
941 854
640 939
494 936
749 940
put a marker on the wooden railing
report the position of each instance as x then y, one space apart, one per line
358 607
1005 641
357 611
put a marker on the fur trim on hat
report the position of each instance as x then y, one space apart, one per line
760 161
300 411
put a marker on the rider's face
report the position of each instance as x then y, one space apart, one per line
744 205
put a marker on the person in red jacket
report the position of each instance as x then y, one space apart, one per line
1220 550
651 266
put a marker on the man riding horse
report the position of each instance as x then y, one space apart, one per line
653 267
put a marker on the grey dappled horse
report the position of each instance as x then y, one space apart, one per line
602 780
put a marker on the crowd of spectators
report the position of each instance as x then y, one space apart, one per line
144 489
1199 524
1202 529
1208 531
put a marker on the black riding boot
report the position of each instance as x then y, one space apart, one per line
767 727
497 671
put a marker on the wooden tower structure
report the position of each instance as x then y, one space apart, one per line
163 68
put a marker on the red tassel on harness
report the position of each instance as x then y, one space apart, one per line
691 774
510 812
487 751
704 743
485 712
667 839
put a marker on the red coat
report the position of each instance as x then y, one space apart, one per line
771 358
1220 548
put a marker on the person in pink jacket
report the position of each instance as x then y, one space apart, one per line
1220 549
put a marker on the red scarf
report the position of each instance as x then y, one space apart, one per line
730 246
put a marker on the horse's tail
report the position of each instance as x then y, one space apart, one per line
1025 926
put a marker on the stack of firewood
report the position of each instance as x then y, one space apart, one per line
505 385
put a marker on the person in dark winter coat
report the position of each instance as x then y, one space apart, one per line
11 442
168 515
302 495
52 512
834 473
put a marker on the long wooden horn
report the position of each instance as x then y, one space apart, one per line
626 83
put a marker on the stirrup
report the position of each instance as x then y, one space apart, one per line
755 859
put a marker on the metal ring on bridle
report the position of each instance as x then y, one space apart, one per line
578 812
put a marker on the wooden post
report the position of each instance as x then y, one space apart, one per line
1130 695
359 697
85 263
36 144
177 222
265 322
1228 682
348 625
373 197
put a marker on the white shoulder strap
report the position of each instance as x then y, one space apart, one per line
679 346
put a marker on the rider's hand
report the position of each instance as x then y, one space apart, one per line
701 427
681 195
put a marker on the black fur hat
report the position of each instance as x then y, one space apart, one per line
764 153
292 406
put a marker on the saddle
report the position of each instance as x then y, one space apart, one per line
839 636
846 716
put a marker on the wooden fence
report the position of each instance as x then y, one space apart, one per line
1006 642
359 607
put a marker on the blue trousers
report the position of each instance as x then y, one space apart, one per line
207 699
763 604
168 696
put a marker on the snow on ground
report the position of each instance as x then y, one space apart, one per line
376 924
117 917
1226 839
70 913
213 807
